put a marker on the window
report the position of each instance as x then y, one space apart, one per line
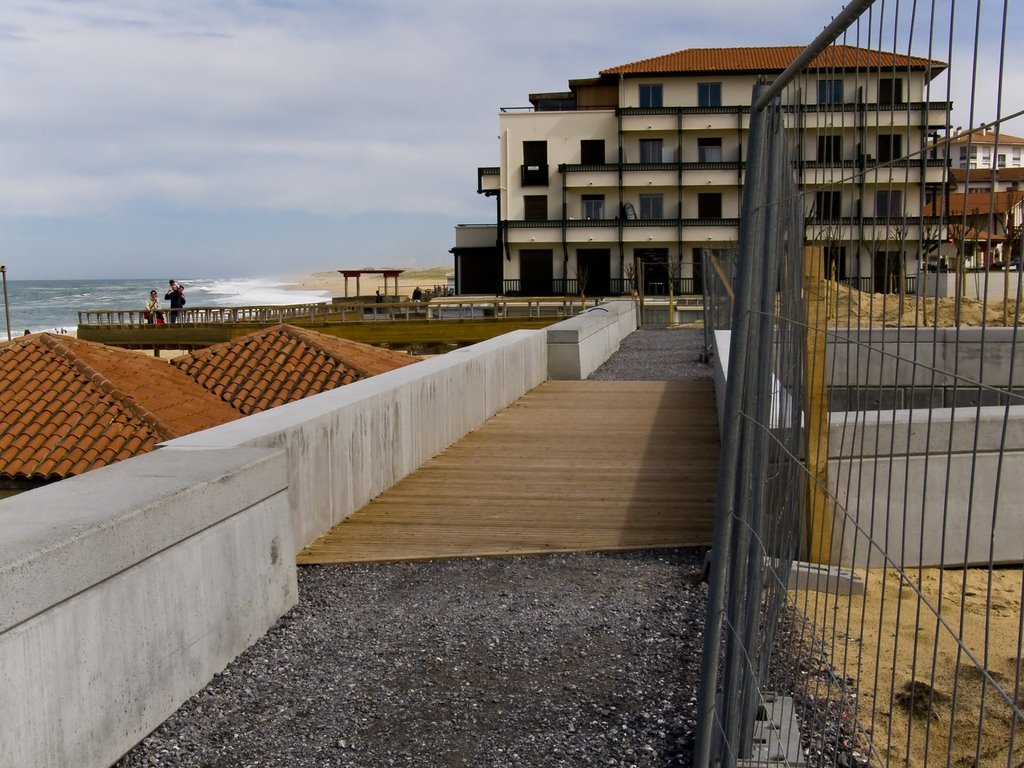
890 147
709 205
592 151
535 163
890 91
828 206
652 206
889 203
536 207
650 150
650 95
593 206
830 149
709 94
709 150
830 91
1001 159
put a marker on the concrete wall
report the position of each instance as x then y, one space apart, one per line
123 591
904 477
349 445
126 589
578 345
996 283
949 495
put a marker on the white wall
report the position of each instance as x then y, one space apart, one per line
349 445
123 591
578 345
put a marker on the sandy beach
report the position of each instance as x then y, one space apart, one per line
334 282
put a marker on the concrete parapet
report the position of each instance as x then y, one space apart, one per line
578 345
351 444
936 487
126 589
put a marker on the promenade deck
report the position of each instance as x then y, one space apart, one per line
571 466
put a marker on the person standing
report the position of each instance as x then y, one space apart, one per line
153 314
176 295
417 294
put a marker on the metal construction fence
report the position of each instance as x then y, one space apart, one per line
865 592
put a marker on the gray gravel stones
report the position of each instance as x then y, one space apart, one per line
561 660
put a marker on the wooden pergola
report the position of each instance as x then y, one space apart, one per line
385 271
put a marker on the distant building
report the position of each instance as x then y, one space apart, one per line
985 148
640 170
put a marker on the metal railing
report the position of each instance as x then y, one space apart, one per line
322 313
865 595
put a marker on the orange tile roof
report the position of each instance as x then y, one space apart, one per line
68 406
982 175
986 137
974 203
283 363
768 59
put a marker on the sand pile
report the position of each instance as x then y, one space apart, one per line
847 306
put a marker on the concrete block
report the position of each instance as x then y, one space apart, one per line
135 585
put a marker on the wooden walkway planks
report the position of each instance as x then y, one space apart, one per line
581 465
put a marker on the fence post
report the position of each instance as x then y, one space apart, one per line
728 479
819 512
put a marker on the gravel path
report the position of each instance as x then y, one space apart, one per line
561 660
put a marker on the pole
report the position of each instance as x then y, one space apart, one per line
7 308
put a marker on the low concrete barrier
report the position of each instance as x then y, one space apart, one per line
578 345
126 589
351 444
933 486
949 495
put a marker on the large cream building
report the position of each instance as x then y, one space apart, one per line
639 171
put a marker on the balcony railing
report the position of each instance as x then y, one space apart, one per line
870 162
616 286
625 167
629 223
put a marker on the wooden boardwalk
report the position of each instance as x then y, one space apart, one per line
573 465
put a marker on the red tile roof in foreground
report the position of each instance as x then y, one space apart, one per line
68 406
284 363
768 59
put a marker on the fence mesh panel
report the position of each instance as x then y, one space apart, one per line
865 593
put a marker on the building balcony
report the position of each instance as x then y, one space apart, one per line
615 223
488 180
630 167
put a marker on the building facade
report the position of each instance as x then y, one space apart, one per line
630 180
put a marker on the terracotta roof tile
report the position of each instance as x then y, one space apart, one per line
986 138
974 203
67 406
282 364
767 60
962 175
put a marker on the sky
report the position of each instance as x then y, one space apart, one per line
244 138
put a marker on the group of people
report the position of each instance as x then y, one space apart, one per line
175 294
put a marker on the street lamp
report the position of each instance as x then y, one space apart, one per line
7 309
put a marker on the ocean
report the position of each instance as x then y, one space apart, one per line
53 305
